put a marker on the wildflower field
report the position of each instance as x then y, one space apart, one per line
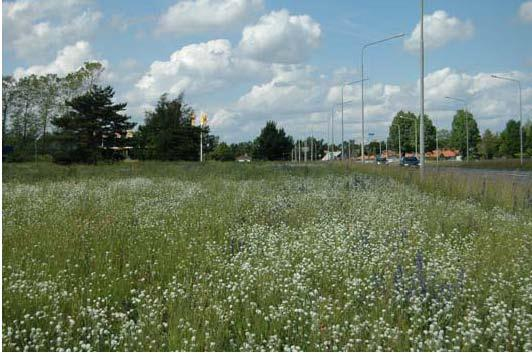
162 256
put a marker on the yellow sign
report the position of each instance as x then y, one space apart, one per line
193 119
203 119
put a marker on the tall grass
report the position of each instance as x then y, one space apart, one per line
506 191
503 164
261 256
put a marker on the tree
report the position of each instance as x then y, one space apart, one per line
242 148
24 123
527 132
488 145
459 134
82 80
273 144
169 134
49 102
222 152
92 123
408 122
510 139
9 86
444 138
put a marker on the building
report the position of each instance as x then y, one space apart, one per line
243 159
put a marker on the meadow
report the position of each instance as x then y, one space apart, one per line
260 256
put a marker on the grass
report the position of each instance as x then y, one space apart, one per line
491 191
261 256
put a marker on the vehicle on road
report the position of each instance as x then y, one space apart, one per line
381 160
409 162
392 160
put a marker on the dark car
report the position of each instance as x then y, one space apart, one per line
410 161
380 160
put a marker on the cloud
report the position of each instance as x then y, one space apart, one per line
281 38
525 12
300 99
197 69
36 29
293 88
189 16
439 29
68 59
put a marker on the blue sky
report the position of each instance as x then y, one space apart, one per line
246 61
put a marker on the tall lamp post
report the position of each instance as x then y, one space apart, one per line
343 86
422 93
520 111
332 119
466 123
362 81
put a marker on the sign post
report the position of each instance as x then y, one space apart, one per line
203 122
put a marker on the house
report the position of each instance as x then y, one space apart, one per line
243 159
444 154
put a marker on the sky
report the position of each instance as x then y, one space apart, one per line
244 62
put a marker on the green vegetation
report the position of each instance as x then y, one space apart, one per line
502 164
228 256
489 191
90 128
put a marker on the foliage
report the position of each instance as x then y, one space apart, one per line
510 145
30 102
222 152
93 125
489 145
242 148
444 139
459 133
168 133
273 144
408 123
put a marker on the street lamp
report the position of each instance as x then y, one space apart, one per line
520 111
332 120
343 86
466 122
362 81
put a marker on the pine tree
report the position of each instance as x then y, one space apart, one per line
92 122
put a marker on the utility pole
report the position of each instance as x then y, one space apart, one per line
422 95
343 86
305 149
399 128
332 130
362 82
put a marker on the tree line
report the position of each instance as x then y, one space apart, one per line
464 129
72 119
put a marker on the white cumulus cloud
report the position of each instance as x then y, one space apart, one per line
68 59
192 16
439 29
196 69
281 38
36 29
525 11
